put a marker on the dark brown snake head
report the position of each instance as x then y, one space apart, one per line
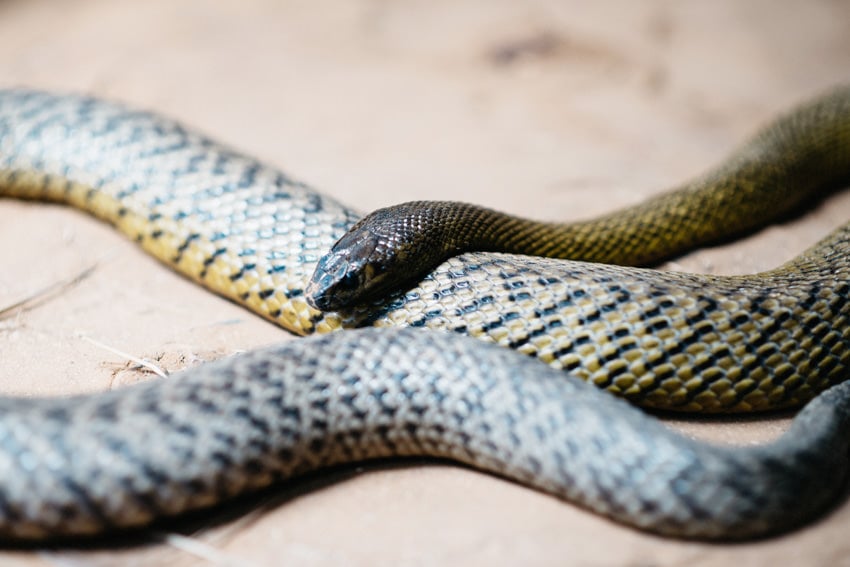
385 251
345 275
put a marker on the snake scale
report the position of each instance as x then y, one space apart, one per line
123 459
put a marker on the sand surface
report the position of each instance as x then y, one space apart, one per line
546 108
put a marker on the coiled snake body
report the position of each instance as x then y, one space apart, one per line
677 341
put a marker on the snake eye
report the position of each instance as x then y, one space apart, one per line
349 281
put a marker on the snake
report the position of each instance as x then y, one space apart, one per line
84 466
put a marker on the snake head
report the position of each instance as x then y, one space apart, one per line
350 273
386 251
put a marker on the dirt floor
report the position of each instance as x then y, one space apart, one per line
547 108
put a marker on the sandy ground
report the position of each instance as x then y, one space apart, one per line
551 109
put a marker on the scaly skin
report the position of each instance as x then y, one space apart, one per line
793 160
87 465
666 340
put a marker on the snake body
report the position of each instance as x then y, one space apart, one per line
120 459
254 235
793 160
